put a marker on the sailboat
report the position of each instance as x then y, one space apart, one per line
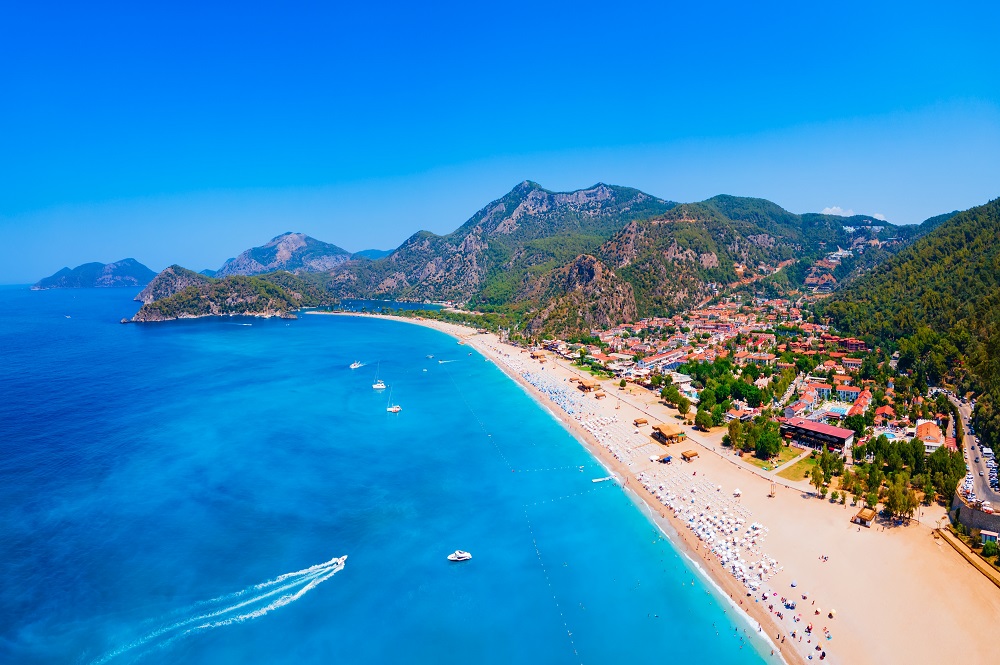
390 407
379 383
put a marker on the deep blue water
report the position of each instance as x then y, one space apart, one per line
151 475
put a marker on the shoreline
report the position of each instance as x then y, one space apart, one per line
701 561
922 587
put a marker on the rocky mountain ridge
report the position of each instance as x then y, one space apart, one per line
294 252
556 261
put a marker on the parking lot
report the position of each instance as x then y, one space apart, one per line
981 482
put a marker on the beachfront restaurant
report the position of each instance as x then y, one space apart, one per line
865 517
589 385
668 434
817 435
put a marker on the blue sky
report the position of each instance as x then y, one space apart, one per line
186 133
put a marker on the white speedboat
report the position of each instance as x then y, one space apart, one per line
356 364
459 555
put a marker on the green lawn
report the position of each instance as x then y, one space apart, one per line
800 470
787 453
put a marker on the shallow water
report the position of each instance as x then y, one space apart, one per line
177 493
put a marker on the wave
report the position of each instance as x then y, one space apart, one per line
244 605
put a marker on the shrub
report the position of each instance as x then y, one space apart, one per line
990 548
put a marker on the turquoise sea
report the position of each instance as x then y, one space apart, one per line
180 493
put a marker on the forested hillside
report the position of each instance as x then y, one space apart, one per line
272 294
940 299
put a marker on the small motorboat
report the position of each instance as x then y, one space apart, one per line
459 555
356 364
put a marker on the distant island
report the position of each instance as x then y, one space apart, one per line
127 272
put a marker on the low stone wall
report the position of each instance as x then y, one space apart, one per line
972 518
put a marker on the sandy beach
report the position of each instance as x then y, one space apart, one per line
899 593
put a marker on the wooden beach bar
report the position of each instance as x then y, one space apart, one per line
668 434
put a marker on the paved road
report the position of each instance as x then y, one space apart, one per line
980 483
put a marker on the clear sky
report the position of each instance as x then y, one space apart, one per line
188 132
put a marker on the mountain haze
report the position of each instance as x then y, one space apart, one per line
127 272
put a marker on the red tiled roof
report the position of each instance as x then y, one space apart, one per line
821 428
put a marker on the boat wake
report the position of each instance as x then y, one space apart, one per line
250 603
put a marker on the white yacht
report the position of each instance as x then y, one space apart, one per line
356 364
459 555
390 407
379 384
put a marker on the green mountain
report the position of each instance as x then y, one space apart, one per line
187 294
565 262
676 260
939 298
496 254
127 272
929 225
294 252
372 254
170 281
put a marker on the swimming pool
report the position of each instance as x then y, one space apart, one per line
842 410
